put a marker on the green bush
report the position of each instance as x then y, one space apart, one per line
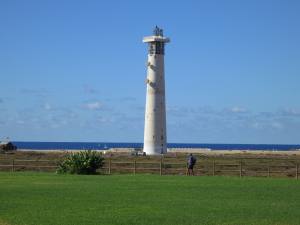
83 162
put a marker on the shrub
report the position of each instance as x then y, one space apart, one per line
83 162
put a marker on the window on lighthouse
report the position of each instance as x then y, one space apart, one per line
156 48
151 48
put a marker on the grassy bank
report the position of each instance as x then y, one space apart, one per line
43 198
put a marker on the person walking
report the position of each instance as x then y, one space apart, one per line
191 161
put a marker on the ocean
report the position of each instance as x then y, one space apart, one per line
107 145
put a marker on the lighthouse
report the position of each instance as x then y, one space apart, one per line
155 134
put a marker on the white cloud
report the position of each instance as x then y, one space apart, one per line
20 122
93 105
256 125
47 106
276 125
237 109
102 119
290 112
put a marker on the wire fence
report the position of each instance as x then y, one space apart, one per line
138 165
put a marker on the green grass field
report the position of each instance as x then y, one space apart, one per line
45 198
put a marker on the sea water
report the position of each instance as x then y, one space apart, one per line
107 145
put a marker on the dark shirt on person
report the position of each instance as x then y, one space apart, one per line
191 160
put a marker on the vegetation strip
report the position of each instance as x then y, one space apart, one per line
50 199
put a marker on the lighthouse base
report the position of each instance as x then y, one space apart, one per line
154 150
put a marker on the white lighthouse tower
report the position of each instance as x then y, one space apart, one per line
155 134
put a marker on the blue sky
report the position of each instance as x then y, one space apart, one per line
75 70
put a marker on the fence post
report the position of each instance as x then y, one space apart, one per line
134 168
13 166
109 165
186 169
268 170
160 166
297 168
39 167
214 167
241 168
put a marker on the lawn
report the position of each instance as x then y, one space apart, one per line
45 198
